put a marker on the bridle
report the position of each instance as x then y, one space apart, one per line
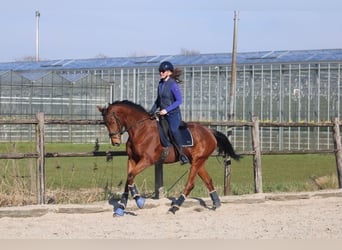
120 127
118 122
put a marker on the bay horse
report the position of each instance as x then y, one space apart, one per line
144 149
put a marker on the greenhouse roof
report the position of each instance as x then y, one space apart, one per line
286 56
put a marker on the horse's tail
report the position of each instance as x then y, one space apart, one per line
225 148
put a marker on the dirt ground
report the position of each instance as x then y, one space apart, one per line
309 215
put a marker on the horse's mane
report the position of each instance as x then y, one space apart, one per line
131 104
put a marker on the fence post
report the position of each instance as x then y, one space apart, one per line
40 145
158 180
338 149
256 155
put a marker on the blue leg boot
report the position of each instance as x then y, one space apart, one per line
175 205
215 199
140 201
119 209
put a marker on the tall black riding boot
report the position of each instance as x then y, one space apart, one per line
182 157
177 142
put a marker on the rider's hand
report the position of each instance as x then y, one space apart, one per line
163 112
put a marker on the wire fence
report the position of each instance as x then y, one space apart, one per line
255 135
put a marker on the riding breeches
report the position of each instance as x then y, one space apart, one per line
174 119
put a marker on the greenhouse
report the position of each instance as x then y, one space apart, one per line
280 86
60 96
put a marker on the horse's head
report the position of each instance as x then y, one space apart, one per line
112 123
122 116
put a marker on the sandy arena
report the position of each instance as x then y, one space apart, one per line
309 215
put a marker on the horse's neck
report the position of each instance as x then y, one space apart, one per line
133 120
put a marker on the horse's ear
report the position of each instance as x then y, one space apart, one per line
100 108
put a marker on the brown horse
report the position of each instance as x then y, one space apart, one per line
144 149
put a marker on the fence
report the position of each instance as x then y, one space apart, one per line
40 153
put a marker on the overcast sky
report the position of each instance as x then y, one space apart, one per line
85 29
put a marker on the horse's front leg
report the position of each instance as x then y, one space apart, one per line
133 170
139 200
119 209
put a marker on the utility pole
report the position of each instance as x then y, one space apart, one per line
37 34
227 162
233 78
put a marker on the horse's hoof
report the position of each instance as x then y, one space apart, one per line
119 212
174 209
140 202
216 205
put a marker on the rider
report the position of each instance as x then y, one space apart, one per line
168 101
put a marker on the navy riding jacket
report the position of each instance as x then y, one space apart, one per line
169 96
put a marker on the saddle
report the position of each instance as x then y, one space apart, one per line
165 134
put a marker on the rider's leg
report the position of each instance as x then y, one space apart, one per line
174 120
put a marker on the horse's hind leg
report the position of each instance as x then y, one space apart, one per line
209 183
216 200
175 205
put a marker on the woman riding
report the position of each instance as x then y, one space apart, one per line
168 101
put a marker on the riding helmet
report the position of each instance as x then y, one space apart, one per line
166 66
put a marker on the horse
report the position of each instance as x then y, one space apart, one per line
144 149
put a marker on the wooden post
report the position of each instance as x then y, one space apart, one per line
231 115
40 144
227 168
158 183
256 155
338 149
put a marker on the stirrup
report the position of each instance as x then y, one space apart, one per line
183 159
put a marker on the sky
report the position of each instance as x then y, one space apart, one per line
80 29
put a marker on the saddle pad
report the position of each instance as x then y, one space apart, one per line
187 139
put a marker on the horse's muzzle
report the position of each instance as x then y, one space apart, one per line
115 141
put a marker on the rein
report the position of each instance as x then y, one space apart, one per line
126 129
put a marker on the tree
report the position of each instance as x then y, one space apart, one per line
26 59
101 55
188 52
